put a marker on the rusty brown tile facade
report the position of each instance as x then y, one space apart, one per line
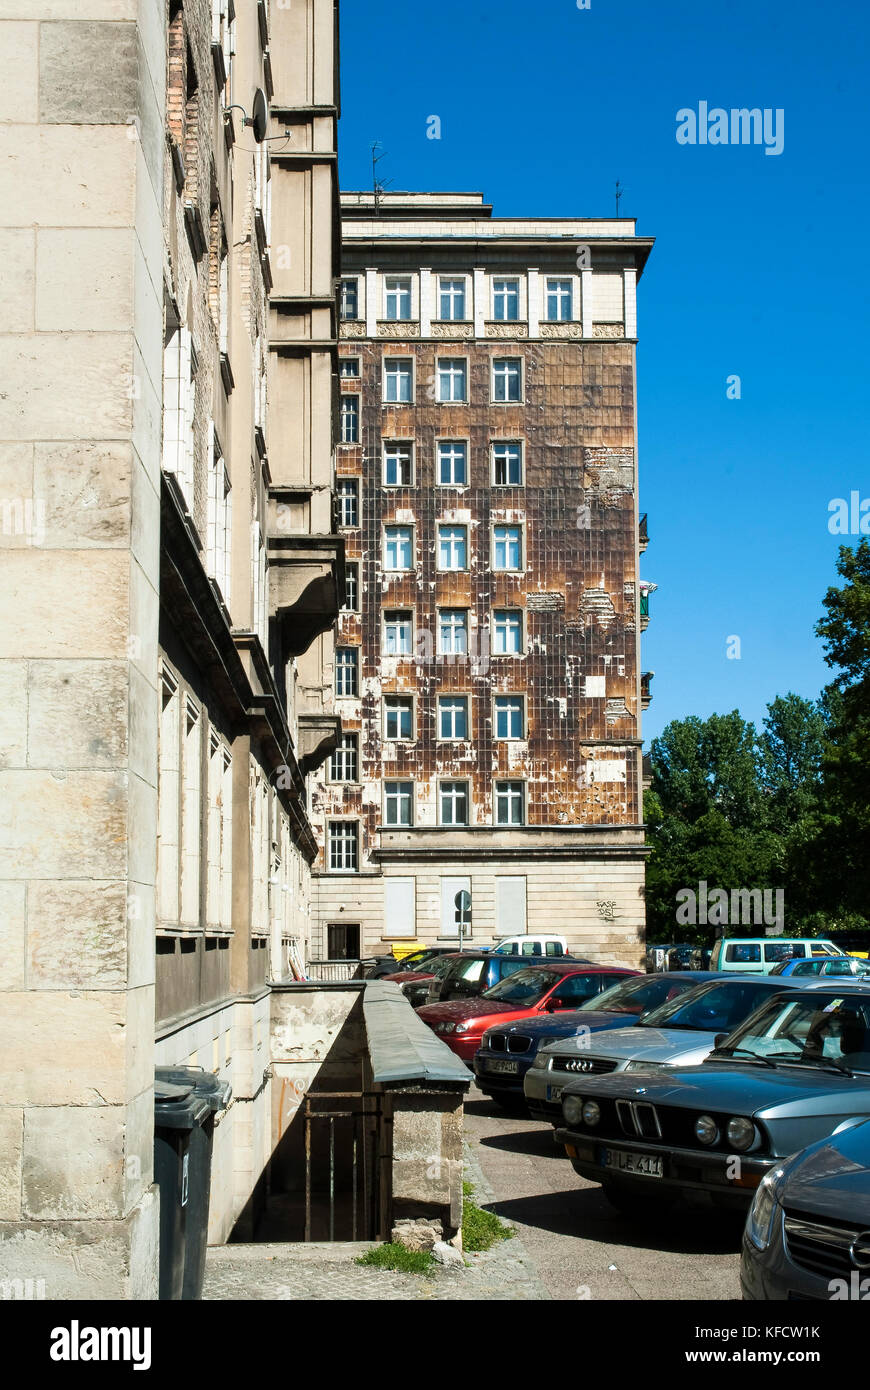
554 834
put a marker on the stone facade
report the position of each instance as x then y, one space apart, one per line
488 670
160 681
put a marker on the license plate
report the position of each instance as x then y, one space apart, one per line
510 1067
641 1165
554 1092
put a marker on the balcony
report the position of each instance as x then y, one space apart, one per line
643 607
645 692
318 738
306 587
643 533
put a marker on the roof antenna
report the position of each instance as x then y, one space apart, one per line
619 193
379 187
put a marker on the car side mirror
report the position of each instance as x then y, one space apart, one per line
719 1039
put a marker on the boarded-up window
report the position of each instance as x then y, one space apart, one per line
451 909
399 916
510 906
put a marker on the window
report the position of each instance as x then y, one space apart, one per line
453 632
259 590
397 299
351 588
350 419
506 300
191 812
344 763
559 298
219 521
398 803
452 462
507 547
348 502
344 846
507 379
398 379
350 299
510 803
398 547
451 299
453 803
346 671
348 367
507 632
398 465
452 379
398 717
509 716
453 716
507 464
452 547
342 941
398 634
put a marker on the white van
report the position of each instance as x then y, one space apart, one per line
532 946
757 955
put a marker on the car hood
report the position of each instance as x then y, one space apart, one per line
456 1010
563 1025
405 977
746 1088
832 1178
641 1044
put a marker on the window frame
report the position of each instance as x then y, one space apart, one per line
345 488
349 375
397 615
439 614
408 282
453 280
519 613
454 782
456 699
347 666
352 737
400 526
347 413
451 526
495 294
496 794
398 446
518 526
452 370
409 362
451 444
558 280
407 701
506 400
354 839
398 796
351 566
517 697
500 444
347 281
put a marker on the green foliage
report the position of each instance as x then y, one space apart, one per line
482 1229
787 807
394 1256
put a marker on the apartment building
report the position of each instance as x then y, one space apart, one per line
169 249
487 671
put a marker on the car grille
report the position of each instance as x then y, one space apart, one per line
508 1042
825 1247
583 1066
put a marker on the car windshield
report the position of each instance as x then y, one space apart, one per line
817 1029
439 965
525 987
638 996
712 1008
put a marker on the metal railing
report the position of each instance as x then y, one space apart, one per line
333 971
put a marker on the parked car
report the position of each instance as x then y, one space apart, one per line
701 957
823 967
758 955
471 972
806 1235
387 966
508 1050
794 1072
680 1033
550 945
415 984
680 957
525 993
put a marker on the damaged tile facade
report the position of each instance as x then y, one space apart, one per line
488 668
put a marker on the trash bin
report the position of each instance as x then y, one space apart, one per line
215 1095
178 1114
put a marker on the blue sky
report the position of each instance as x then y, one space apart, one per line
758 271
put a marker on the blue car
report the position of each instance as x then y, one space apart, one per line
507 1052
824 967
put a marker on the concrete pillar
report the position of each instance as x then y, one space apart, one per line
81 187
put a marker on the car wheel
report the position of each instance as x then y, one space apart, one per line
635 1204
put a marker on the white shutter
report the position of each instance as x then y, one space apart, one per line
400 916
510 906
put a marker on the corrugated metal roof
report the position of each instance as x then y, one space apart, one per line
401 1047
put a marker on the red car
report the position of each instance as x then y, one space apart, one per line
539 989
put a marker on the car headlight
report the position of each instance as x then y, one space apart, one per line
446 1027
591 1113
706 1129
461 1028
541 1061
765 1204
572 1109
741 1133
647 1066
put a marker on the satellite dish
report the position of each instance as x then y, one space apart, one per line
260 118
